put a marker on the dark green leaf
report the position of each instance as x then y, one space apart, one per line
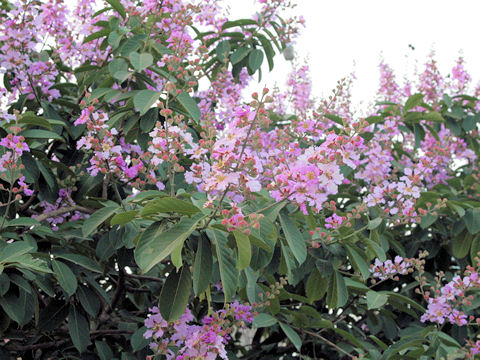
264 320
202 268
294 238
141 61
138 341
472 220
169 205
255 60
97 218
144 99
79 329
292 335
89 300
175 294
244 249
155 244
117 5
337 293
65 276
376 300
190 105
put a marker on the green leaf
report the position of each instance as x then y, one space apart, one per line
41 134
461 245
358 262
190 105
53 315
264 320
97 218
89 300
226 262
413 101
244 249
337 293
79 329
428 220
175 293
65 276
103 350
117 5
239 54
294 238
373 224
12 251
96 35
124 217
202 268
23 221
29 118
81 260
144 99
316 286
155 244
169 205
255 60
292 335
472 220
376 299
141 61
223 49
137 340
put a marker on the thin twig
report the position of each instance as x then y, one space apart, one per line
64 210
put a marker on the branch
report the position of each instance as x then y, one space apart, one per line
327 342
62 211
144 277
51 344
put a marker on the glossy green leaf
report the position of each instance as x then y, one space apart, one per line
144 99
124 217
358 262
103 350
292 335
117 5
175 294
316 286
223 49
202 268
264 320
376 300
14 250
244 249
41 134
413 101
337 293
190 105
472 220
255 60
226 262
137 340
141 61
81 260
65 276
97 218
78 329
169 205
155 244
294 238
461 245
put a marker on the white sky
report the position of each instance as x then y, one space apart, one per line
345 35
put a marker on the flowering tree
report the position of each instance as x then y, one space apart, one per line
151 210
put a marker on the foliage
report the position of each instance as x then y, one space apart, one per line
145 215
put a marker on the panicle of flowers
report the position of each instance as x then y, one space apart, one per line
445 304
390 269
192 340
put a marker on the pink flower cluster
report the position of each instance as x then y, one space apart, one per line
206 341
389 269
444 305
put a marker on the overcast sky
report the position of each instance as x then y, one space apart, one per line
342 36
